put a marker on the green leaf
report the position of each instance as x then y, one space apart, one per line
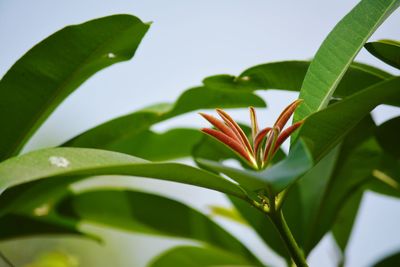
337 52
387 135
16 226
389 261
278 177
149 214
58 162
28 209
326 190
121 133
157 146
198 257
346 217
386 50
39 81
323 130
289 75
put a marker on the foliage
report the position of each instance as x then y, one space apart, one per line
291 201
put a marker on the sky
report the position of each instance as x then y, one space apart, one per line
188 41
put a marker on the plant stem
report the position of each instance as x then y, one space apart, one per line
287 237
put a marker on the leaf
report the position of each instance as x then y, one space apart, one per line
323 130
58 162
39 81
386 50
149 214
198 257
121 132
278 177
348 170
346 217
389 261
338 51
387 136
172 144
16 226
222 91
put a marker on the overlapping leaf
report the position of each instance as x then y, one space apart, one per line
338 51
386 50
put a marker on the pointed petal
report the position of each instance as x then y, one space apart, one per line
220 125
259 138
270 144
230 142
254 124
286 133
287 113
236 128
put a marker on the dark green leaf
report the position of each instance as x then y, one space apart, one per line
389 261
387 135
386 50
337 52
198 257
38 82
344 223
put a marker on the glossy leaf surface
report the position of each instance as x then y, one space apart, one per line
338 51
59 162
39 81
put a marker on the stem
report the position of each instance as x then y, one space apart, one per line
287 237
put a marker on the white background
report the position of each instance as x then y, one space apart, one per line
188 41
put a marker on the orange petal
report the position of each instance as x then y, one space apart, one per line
270 144
259 137
219 125
230 142
287 113
286 133
254 124
236 128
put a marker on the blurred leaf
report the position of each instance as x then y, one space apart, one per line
198 257
55 259
338 51
387 135
19 225
323 130
172 144
389 261
227 213
58 162
148 213
39 81
386 50
121 134
278 177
